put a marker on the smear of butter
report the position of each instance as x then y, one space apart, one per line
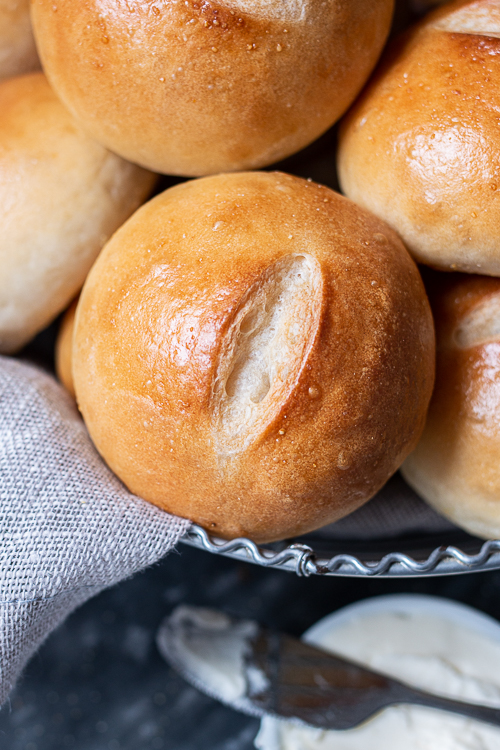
439 654
208 648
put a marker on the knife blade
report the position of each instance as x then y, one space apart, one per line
263 672
299 681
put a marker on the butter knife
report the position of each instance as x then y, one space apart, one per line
263 672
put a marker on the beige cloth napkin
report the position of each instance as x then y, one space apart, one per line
68 527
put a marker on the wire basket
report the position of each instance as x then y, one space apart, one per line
434 555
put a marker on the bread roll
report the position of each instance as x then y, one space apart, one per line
17 46
421 147
61 196
64 346
254 352
194 87
456 465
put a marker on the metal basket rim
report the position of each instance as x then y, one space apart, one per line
302 559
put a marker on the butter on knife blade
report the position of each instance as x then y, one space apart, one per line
265 673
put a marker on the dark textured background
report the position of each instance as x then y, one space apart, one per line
99 682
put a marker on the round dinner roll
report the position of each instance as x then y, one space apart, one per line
61 197
64 346
456 465
254 352
192 87
421 147
17 46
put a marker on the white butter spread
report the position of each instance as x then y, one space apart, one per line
208 648
436 645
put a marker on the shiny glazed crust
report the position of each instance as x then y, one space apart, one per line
456 465
165 328
61 197
421 147
194 87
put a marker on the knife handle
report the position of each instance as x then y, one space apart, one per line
480 713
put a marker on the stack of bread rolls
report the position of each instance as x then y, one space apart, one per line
251 350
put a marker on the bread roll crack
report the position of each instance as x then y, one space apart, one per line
292 10
265 349
472 19
481 325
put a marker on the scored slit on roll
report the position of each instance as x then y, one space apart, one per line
262 370
265 349
482 21
292 10
481 325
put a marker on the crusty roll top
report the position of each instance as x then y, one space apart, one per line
254 352
421 147
188 87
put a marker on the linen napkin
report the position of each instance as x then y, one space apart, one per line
68 526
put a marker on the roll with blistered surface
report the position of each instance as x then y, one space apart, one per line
254 352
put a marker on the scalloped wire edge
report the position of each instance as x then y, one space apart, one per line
301 558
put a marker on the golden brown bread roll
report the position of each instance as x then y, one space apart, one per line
61 197
254 352
421 147
64 346
17 46
456 465
193 87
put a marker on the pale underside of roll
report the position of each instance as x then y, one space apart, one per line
61 197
